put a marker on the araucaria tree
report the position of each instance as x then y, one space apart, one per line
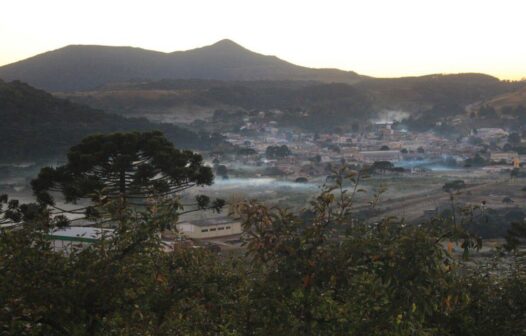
133 168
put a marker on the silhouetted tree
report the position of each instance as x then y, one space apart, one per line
222 171
131 167
452 186
277 152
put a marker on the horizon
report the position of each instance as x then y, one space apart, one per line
403 39
228 39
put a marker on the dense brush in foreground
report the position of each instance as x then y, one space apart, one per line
318 273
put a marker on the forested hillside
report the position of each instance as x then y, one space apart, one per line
34 124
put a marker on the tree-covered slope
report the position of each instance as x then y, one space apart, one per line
34 124
450 93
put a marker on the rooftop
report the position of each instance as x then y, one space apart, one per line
209 221
80 233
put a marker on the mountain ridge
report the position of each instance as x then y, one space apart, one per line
86 67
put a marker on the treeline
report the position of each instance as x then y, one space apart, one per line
305 104
35 125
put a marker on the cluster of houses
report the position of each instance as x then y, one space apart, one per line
379 143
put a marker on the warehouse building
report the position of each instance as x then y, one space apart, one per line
209 228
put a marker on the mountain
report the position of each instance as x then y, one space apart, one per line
36 125
86 67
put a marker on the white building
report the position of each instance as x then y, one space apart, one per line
77 237
507 157
209 228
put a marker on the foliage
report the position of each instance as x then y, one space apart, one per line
455 185
277 152
222 170
134 168
37 125
516 236
244 151
476 161
321 273
128 284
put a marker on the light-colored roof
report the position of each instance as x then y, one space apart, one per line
80 233
210 221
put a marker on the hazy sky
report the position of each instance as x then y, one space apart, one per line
379 38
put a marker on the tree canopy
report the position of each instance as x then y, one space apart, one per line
123 165
455 185
277 152
135 168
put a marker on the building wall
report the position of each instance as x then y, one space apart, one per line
209 231
372 156
506 156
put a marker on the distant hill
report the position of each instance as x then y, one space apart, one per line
313 105
138 98
36 125
421 93
87 67
183 86
510 99
433 97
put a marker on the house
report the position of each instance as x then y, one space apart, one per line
507 157
372 156
486 133
209 228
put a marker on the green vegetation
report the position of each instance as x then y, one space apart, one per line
318 274
453 186
37 125
131 168
277 152
227 76
221 170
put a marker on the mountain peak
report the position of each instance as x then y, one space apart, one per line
86 67
227 43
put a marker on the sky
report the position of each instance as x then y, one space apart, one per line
382 38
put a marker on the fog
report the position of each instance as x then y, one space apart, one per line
389 116
259 182
433 165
